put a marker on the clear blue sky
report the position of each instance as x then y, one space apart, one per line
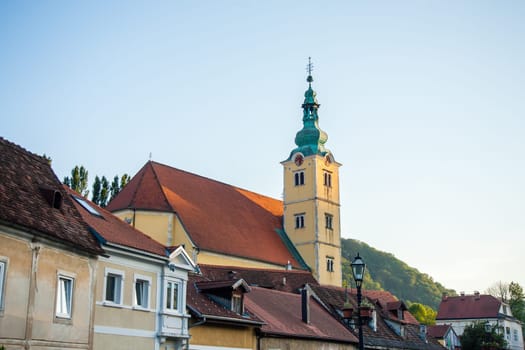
423 103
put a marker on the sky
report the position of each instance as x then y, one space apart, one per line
422 101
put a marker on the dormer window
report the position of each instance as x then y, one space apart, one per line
237 302
228 293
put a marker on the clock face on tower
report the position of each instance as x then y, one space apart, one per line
299 159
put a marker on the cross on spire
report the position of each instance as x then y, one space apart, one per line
309 69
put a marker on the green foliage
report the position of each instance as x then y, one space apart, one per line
517 301
423 313
78 180
385 271
116 187
104 192
97 186
481 335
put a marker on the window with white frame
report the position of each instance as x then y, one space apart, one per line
299 178
113 288
64 297
172 295
328 221
329 264
3 268
142 291
515 333
299 220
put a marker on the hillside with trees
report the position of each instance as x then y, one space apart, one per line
386 272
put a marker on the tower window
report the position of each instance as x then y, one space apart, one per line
299 221
329 264
327 179
328 221
299 178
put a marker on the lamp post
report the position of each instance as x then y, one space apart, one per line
358 270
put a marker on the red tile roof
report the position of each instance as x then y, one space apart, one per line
25 181
438 331
283 280
281 313
468 306
218 217
202 306
116 231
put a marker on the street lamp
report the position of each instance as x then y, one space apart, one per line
358 270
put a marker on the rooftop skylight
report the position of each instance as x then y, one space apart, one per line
87 206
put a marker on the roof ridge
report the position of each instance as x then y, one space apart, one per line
160 186
213 180
254 268
11 144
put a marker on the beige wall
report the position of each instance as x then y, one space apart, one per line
297 344
313 199
222 336
30 297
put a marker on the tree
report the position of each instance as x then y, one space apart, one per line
517 302
499 290
511 293
97 186
482 335
423 313
116 187
78 181
104 192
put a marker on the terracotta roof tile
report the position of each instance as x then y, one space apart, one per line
281 312
25 181
468 306
218 217
438 331
283 280
114 230
200 304
383 335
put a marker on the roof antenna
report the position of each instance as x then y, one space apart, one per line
150 156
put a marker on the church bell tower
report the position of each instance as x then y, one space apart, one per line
311 196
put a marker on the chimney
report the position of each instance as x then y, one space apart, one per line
462 294
305 305
444 296
288 266
476 295
284 281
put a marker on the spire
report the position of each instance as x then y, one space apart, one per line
310 139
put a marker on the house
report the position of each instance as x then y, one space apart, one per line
220 224
141 285
446 336
296 322
219 319
460 311
48 258
387 324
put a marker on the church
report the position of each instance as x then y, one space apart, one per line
220 224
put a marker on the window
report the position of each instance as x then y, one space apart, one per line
64 296
86 206
172 296
329 264
3 266
299 221
114 280
237 303
328 221
327 179
515 333
142 287
299 178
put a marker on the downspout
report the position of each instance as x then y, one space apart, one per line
33 288
201 322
